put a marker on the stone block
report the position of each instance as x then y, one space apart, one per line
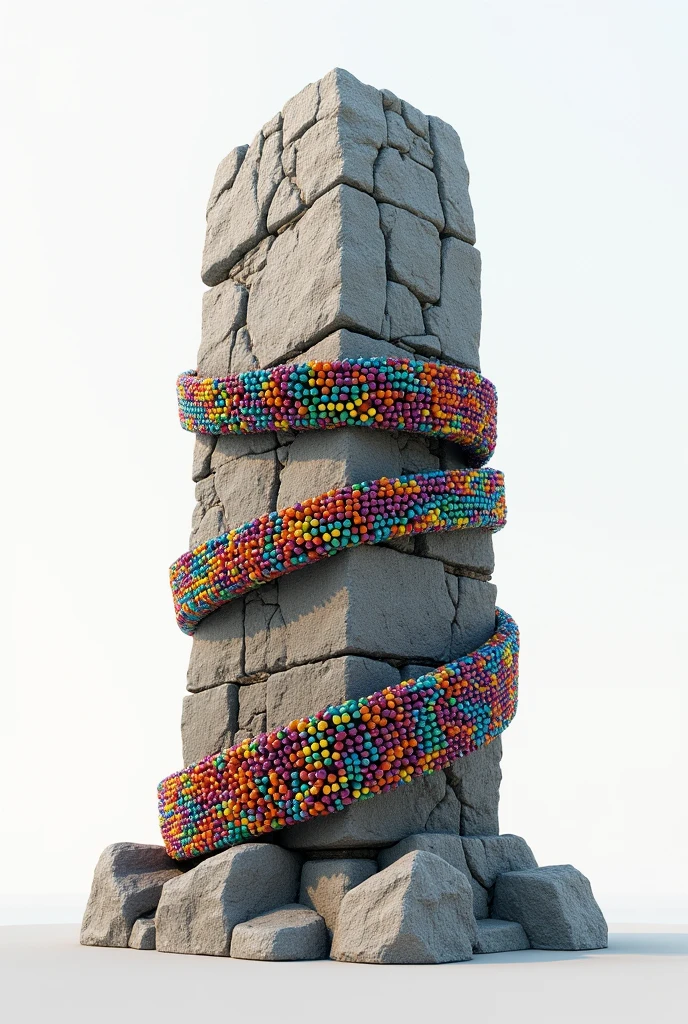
247 487
390 101
286 205
449 848
378 821
416 911
424 345
416 456
455 320
446 817
404 182
398 135
475 779
421 152
224 311
403 312
209 721
495 936
204 445
198 911
252 708
288 933
325 272
349 345
554 905
265 636
273 125
230 447
413 253
299 113
226 173
217 654
321 460
489 856
463 549
416 120
452 179
337 607
307 689
127 883
241 356
206 525
325 883
475 615
238 220
342 145
143 933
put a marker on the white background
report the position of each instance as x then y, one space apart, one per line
572 116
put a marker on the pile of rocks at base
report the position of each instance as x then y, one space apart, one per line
431 898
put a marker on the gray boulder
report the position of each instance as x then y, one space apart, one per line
449 848
198 912
143 933
554 905
416 911
289 933
489 856
495 936
127 884
325 883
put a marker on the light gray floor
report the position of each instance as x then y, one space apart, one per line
46 976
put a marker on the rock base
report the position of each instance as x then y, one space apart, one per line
430 898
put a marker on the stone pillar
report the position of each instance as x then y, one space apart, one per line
345 229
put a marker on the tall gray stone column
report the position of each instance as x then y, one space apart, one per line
345 229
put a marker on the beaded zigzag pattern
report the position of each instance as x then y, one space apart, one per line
367 513
390 394
319 765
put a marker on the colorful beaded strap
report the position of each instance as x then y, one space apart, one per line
367 513
319 765
389 394
323 763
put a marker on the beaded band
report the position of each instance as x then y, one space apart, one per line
367 513
390 394
319 765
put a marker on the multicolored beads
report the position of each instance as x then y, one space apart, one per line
367 513
389 394
321 764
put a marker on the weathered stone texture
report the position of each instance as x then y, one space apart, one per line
495 936
449 848
475 780
554 905
143 933
290 306
413 252
404 182
217 654
126 885
209 721
198 911
456 319
452 178
288 933
416 911
325 883
488 857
